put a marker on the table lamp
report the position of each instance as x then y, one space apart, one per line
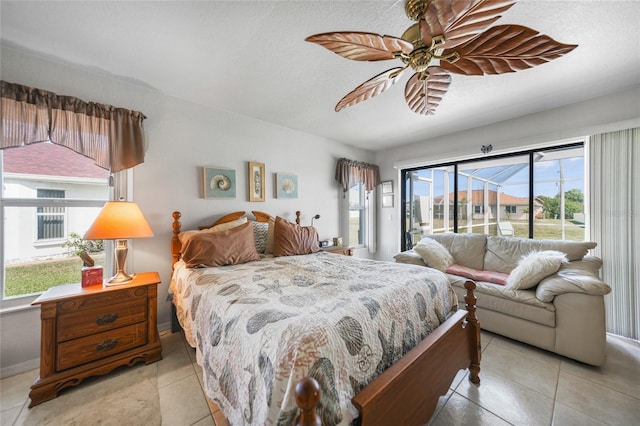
119 220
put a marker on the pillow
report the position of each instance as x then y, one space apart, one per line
474 274
184 236
291 239
535 266
410 257
270 236
228 247
260 231
434 254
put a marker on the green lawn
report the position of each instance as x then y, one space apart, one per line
36 277
543 229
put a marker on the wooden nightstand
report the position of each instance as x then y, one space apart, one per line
92 330
346 251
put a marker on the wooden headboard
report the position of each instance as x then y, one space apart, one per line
176 245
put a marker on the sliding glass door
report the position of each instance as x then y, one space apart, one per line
536 194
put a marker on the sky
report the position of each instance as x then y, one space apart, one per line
546 178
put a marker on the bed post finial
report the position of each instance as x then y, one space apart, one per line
307 397
176 246
298 217
472 321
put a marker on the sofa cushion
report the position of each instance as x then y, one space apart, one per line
466 249
534 267
434 254
409 256
517 303
503 253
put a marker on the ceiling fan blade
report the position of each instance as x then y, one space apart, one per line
503 49
424 96
362 46
371 88
461 20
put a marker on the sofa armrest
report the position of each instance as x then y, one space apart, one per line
579 276
411 257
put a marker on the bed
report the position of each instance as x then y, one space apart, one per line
312 338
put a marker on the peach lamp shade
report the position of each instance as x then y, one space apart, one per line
119 220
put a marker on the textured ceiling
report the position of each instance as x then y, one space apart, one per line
251 58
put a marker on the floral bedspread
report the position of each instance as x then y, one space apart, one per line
260 327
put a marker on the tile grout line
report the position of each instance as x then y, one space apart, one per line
24 404
600 384
484 408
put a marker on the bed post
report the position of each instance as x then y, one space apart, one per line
474 336
307 397
175 241
298 217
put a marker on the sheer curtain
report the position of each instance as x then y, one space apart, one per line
112 136
614 165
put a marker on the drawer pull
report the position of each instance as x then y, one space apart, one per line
107 345
106 319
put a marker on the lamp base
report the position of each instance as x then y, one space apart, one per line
119 279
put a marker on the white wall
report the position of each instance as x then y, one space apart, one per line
182 137
608 113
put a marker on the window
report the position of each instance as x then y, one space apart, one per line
50 219
357 215
541 192
50 196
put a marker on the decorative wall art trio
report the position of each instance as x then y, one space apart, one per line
220 182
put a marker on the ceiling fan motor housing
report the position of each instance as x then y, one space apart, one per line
415 8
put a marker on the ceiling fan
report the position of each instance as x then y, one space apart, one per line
450 36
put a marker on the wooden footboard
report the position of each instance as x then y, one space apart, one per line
408 391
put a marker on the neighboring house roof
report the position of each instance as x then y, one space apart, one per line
477 197
46 158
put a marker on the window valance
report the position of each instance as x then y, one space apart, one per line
113 137
349 173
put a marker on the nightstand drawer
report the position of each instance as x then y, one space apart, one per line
87 349
103 318
102 299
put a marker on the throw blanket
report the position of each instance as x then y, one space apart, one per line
260 327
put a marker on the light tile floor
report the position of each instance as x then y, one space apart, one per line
521 385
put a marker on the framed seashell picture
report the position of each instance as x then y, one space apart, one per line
256 181
218 182
286 185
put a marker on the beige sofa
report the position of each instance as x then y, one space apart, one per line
563 313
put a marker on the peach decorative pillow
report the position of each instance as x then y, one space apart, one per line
184 236
230 247
477 275
291 239
534 267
